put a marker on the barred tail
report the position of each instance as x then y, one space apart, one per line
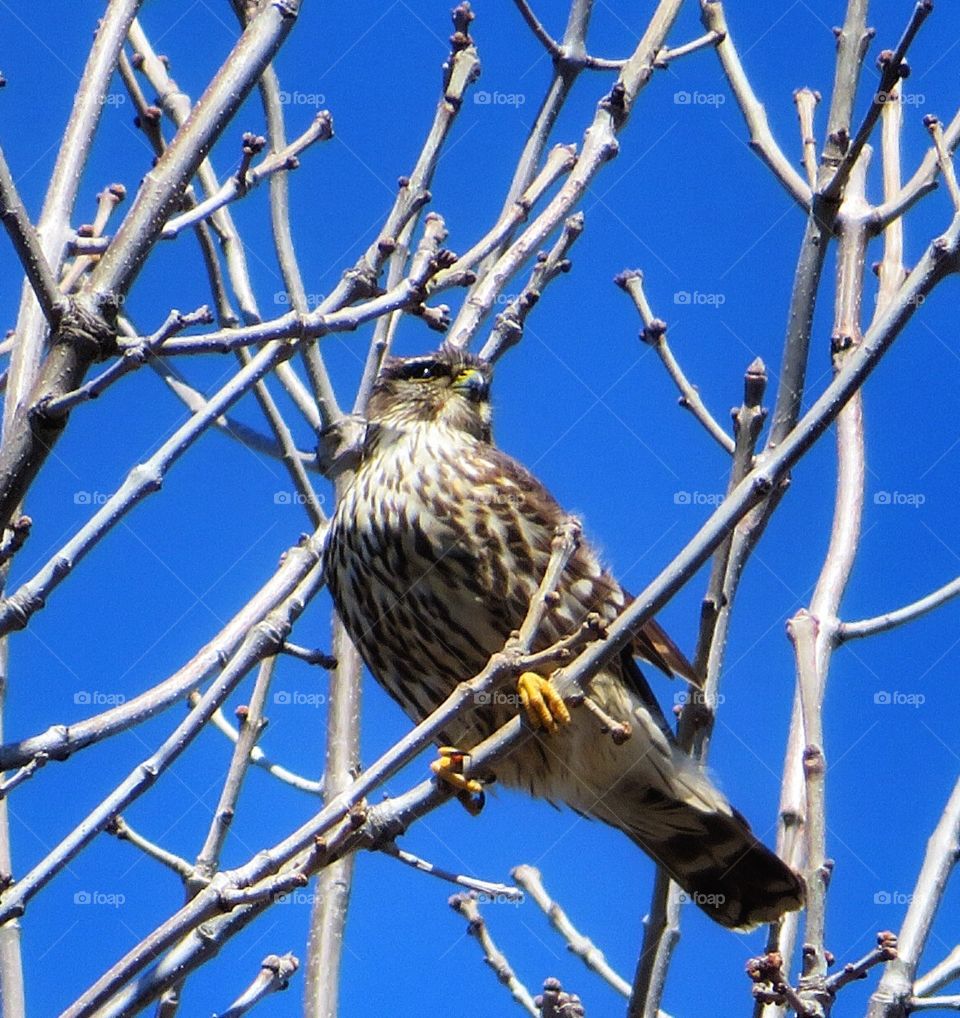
718 862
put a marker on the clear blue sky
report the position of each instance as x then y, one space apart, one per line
582 403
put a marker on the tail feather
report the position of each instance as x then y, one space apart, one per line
719 863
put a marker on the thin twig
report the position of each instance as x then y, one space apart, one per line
909 613
761 137
321 129
258 757
944 972
26 243
806 102
654 334
120 829
670 53
252 723
274 975
133 357
509 327
529 878
944 160
892 69
886 950
893 997
466 905
487 889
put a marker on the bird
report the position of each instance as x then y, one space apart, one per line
436 547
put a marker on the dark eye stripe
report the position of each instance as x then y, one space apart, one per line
425 369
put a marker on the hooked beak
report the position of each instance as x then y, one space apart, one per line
473 384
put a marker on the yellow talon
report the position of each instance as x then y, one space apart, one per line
542 704
449 768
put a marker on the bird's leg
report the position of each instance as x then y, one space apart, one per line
542 704
449 768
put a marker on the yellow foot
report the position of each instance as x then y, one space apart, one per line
449 768
542 704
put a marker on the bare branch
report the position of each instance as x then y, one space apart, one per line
560 52
944 160
529 878
921 183
252 723
262 641
892 619
670 53
940 975
61 741
806 102
274 975
241 183
486 889
893 997
27 244
133 356
549 265
886 950
892 69
655 334
761 137
53 225
121 830
466 905
334 885
599 146
257 756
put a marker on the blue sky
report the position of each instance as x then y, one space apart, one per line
582 403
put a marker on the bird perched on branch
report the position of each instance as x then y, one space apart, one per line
437 547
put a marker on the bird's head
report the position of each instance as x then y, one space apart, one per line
447 387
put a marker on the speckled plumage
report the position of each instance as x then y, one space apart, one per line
433 555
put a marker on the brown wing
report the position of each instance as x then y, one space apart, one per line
653 644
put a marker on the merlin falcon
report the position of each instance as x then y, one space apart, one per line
438 544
